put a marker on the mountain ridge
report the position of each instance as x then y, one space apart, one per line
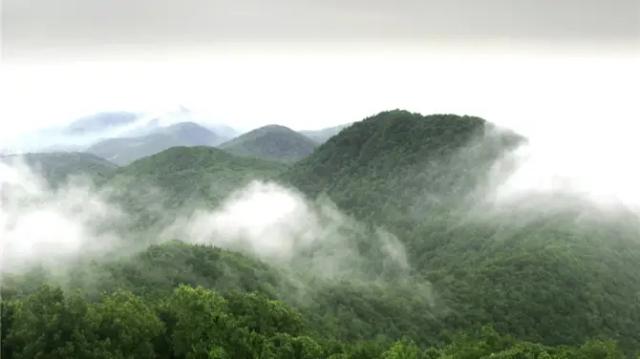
123 151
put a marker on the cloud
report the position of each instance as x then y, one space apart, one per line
277 224
603 176
43 226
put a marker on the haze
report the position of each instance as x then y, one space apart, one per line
562 73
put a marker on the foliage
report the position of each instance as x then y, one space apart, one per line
193 322
156 271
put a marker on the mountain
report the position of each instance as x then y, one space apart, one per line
123 151
323 135
273 142
543 268
57 167
378 165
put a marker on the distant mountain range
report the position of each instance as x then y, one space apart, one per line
273 142
122 137
123 151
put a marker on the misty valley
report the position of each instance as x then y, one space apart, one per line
401 235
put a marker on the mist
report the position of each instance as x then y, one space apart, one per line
42 226
80 134
281 226
56 227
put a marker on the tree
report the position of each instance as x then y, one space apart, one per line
403 349
46 325
200 323
125 326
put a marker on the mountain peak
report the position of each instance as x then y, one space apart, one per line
400 149
271 142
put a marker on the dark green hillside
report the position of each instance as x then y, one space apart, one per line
160 268
146 304
555 270
57 167
276 143
396 162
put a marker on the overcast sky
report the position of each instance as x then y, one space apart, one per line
565 73
56 27
299 62
524 64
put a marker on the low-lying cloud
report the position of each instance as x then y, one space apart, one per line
279 224
75 221
44 226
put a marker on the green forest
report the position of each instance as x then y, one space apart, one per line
414 259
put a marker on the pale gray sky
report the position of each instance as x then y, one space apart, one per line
565 73
257 61
61 27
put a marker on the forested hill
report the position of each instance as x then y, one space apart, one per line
395 160
184 178
545 268
273 142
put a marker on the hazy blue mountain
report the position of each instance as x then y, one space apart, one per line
323 135
272 142
123 151
76 136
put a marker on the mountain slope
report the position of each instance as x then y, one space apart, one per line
57 167
123 151
397 160
183 178
273 142
543 268
323 135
